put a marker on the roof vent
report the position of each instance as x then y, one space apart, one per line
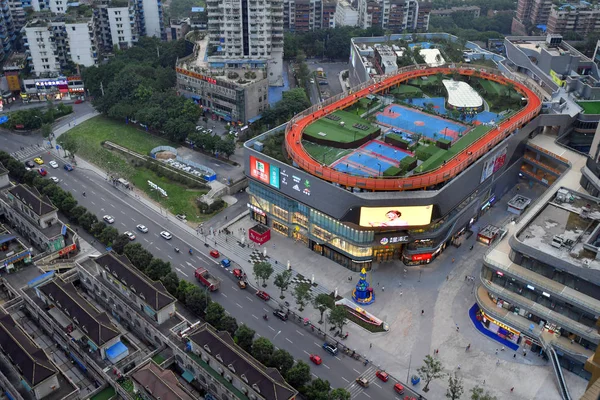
218 357
255 387
230 366
244 378
207 348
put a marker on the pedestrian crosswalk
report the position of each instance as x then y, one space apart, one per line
27 152
355 389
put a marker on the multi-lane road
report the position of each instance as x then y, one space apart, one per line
103 198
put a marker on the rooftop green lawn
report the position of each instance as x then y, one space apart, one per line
590 107
106 394
406 89
438 158
327 129
324 154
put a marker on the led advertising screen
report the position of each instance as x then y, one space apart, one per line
383 217
259 170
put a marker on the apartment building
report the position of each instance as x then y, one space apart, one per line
12 250
230 93
307 15
346 14
33 216
530 13
394 15
30 362
582 19
470 11
148 17
247 34
147 296
8 32
51 42
156 383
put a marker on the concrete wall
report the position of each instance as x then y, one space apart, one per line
122 13
80 44
165 314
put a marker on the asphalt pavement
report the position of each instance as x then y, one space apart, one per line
103 198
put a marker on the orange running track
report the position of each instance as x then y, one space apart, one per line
452 168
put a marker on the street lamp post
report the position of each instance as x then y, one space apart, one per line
379 169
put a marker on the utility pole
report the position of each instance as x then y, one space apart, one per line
408 372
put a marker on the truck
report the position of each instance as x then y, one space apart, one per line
208 280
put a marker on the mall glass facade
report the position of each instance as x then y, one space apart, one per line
341 243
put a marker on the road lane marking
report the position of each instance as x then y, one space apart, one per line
181 272
170 257
271 328
156 248
251 300
299 333
326 366
338 358
93 203
376 384
366 395
347 381
123 224
318 345
122 212
239 305
223 294
233 287
102 198
265 309
314 375
288 340
145 240
254 316
112 205
306 352
356 371
93 192
132 219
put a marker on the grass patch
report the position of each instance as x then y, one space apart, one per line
335 132
590 107
158 358
89 136
180 200
324 154
106 394
127 385
407 91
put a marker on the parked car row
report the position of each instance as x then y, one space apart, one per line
184 167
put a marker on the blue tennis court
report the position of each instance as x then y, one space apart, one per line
383 151
419 122
372 159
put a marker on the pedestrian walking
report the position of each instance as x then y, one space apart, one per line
468 347
400 294
502 349
437 351
422 312
515 355
458 366
512 389
453 261
497 362
466 277
447 276
383 288
484 381
524 353
370 345
457 328
496 351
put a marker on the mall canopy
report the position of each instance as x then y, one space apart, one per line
117 352
188 376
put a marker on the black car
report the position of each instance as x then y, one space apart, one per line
280 314
29 164
330 348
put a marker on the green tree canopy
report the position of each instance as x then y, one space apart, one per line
244 337
430 370
262 350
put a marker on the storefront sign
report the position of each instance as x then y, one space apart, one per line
67 249
259 170
421 257
256 209
59 82
13 83
556 78
196 75
383 217
500 324
384 240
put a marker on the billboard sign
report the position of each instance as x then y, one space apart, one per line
264 172
392 216
493 164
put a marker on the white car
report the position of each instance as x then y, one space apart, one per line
312 81
54 179
53 164
108 219
142 228
166 235
130 235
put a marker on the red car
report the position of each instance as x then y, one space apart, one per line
263 295
316 359
398 388
43 172
238 273
382 375
215 253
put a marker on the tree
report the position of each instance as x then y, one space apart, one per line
337 317
184 289
432 369
455 387
77 212
478 394
87 220
139 257
109 235
46 130
282 360
214 313
228 324
302 294
171 282
298 375
322 302
262 350
262 270
244 337
196 299
339 394
282 281
120 243
318 390
97 228
158 268
69 143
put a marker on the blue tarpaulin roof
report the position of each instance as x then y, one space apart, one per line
219 48
116 352
542 27
6 238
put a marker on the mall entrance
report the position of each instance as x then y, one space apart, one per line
387 253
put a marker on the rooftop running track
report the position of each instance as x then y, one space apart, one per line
452 168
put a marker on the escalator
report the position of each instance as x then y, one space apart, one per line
562 385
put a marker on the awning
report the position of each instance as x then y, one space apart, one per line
227 118
187 375
6 238
63 90
254 119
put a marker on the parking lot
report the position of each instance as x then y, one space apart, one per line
331 71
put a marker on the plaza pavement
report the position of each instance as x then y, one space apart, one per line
438 288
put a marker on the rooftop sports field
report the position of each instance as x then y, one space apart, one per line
330 128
